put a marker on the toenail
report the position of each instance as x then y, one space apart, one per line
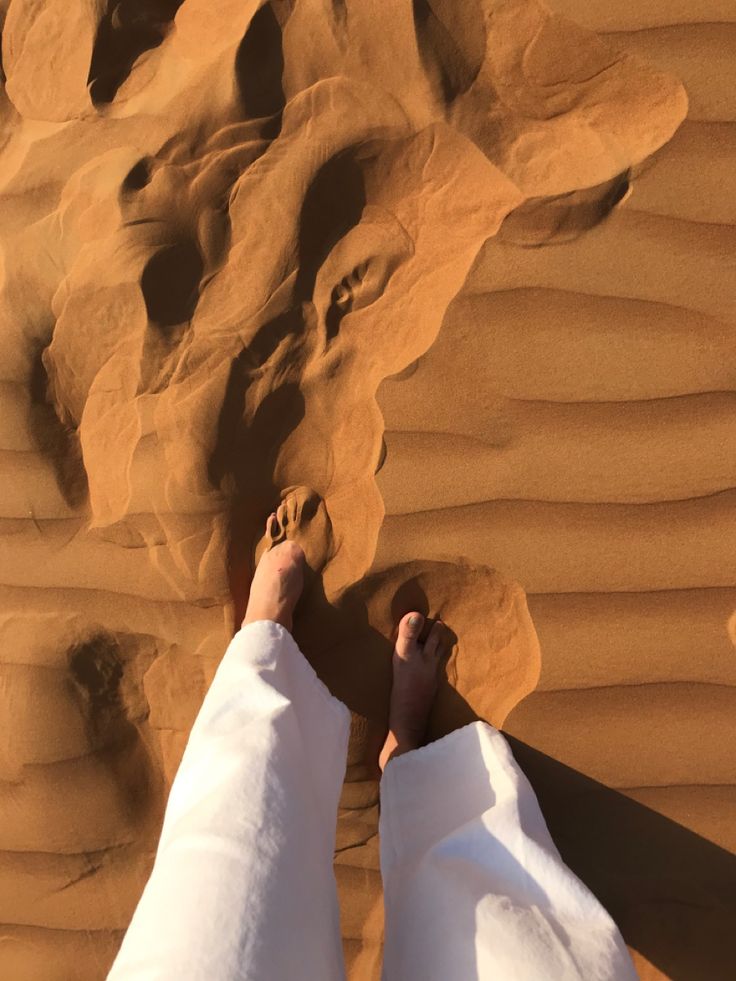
414 621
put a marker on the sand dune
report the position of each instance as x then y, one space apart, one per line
700 54
459 269
622 15
571 458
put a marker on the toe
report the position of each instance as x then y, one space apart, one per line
433 643
410 627
279 521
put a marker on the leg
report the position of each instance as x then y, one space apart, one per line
473 884
242 885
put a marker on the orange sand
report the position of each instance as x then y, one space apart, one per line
461 268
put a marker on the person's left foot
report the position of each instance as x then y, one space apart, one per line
300 517
277 583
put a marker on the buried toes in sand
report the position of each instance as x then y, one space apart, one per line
300 517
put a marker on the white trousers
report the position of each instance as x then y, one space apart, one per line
243 885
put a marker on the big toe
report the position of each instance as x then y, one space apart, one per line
410 626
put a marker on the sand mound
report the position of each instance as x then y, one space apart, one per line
232 241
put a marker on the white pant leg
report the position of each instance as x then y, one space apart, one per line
474 887
243 885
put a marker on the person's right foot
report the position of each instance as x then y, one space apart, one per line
415 680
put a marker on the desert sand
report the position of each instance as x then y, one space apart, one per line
464 275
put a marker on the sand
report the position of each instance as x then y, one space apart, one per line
466 272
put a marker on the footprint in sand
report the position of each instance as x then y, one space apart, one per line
55 434
259 63
125 32
110 703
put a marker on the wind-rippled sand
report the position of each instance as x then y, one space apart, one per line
463 270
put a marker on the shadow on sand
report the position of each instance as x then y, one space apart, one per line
672 892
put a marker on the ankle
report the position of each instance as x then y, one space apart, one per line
253 616
409 738
398 743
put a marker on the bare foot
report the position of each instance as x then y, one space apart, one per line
297 543
416 674
277 583
300 517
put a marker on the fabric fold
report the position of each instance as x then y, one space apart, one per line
474 887
243 886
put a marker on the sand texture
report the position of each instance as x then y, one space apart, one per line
464 274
